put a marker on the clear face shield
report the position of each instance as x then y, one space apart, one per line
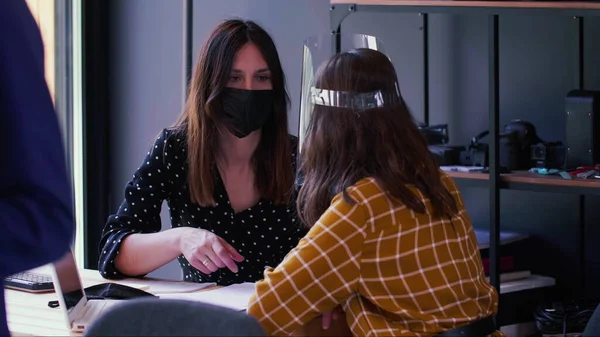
317 51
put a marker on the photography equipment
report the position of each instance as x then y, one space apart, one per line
514 145
446 155
437 139
435 134
582 128
477 152
511 151
549 155
562 318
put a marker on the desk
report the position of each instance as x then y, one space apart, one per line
28 314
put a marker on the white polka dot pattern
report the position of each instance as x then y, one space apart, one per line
263 234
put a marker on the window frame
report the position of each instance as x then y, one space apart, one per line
68 98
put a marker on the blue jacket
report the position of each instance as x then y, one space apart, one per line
36 211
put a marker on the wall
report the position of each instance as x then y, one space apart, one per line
147 76
146 88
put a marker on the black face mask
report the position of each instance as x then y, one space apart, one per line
245 111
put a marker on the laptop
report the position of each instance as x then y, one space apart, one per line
79 311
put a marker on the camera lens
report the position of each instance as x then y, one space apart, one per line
538 152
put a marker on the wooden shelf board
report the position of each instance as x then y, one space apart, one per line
467 175
482 4
531 178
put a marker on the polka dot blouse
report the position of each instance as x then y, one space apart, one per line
263 234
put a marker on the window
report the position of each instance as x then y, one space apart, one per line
60 26
43 12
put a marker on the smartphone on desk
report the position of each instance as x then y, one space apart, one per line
29 282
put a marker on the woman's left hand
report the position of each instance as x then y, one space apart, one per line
334 314
330 323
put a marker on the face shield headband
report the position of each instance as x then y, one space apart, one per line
318 50
357 101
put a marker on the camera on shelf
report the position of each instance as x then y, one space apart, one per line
434 134
549 155
514 144
477 152
437 139
446 155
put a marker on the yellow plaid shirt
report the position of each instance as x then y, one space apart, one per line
396 272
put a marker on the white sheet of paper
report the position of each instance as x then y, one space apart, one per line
167 287
235 296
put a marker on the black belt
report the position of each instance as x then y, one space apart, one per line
480 328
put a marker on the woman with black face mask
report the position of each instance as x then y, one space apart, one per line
226 169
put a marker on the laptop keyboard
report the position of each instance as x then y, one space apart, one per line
90 311
30 277
29 281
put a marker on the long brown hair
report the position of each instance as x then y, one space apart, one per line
344 146
272 158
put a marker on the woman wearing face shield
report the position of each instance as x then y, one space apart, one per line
390 241
226 169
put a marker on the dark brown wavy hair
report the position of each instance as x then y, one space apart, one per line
344 146
274 175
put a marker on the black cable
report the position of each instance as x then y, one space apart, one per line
557 317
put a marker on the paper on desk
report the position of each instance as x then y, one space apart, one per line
135 285
166 287
235 296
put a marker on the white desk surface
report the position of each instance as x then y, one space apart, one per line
28 314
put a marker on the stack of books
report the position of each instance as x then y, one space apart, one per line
514 264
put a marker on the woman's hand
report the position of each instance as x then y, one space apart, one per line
333 315
329 324
207 252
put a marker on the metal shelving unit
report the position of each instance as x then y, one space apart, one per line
525 181
341 9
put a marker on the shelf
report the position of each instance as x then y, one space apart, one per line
526 181
528 283
486 4
582 8
518 300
